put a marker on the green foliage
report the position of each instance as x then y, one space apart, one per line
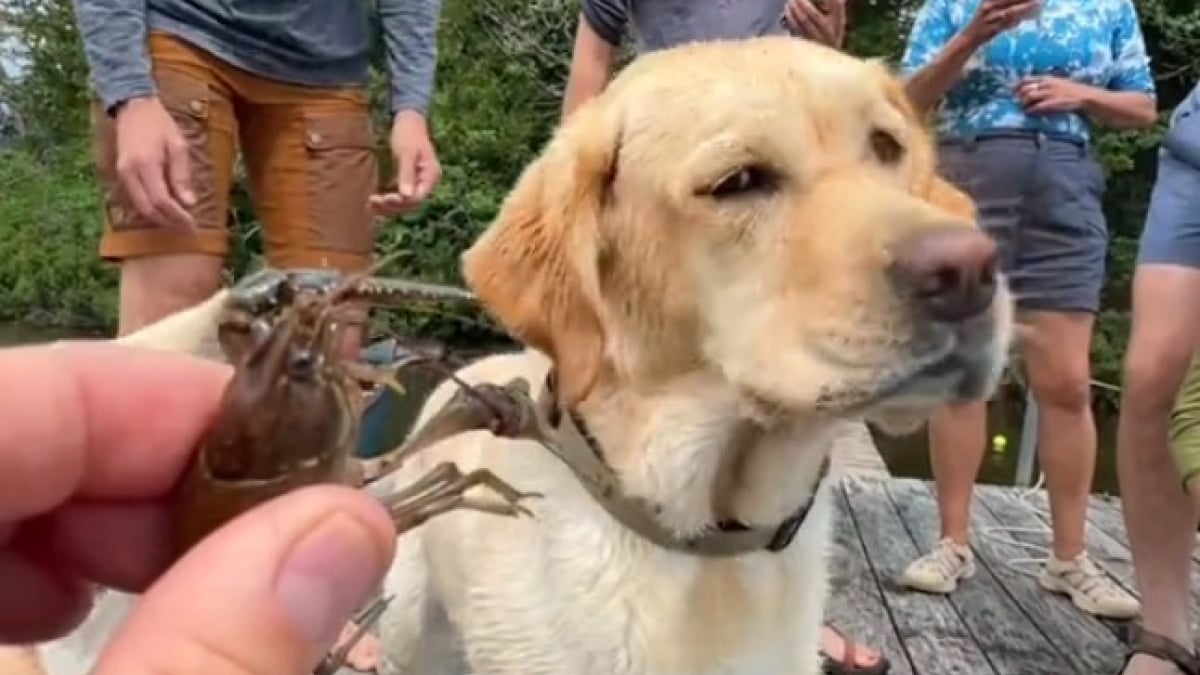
49 219
501 73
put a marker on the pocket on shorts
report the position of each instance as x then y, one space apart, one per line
954 163
342 173
189 102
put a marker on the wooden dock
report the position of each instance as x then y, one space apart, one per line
999 622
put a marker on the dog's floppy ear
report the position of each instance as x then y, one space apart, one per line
949 198
929 184
534 268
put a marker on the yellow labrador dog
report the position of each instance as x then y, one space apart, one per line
734 249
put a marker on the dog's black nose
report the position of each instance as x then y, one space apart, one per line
950 271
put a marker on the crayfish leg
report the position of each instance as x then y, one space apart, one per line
337 658
444 489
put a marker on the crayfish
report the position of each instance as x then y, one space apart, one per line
290 414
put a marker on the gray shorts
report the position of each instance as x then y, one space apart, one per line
1172 232
1040 198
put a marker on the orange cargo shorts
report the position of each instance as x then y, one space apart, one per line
308 153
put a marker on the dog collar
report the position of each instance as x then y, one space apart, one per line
576 447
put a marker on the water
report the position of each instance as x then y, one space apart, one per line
12 334
905 456
909 455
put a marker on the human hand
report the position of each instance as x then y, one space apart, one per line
1045 94
417 167
85 475
996 16
825 24
152 163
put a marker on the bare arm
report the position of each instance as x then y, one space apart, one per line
929 85
410 35
599 32
938 50
1119 109
114 40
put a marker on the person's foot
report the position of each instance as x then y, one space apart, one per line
848 656
940 570
1088 587
364 655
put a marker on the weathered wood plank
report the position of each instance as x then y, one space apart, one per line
1108 543
856 606
855 452
1105 513
1013 643
1087 641
934 635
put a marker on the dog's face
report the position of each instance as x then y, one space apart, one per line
767 210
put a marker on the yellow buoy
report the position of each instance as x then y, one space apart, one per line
999 443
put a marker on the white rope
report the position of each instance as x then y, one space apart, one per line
999 533
1030 566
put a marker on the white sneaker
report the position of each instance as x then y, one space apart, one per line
939 570
1088 587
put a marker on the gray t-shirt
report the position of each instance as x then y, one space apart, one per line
658 24
321 43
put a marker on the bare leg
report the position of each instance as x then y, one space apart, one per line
956 445
956 436
153 287
1056 353
1159 516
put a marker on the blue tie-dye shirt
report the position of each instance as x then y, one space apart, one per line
1098 42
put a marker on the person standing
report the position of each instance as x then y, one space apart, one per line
1018 86
660 24
1160 517
183 85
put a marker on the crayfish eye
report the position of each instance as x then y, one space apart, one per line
303 364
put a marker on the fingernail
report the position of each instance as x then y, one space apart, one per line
189 197
328 575
406 190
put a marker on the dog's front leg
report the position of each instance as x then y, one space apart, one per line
409 636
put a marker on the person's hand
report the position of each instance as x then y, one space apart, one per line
996 16
1045 94
85 475
827 25
417 167
152 163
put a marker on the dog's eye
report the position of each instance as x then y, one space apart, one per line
745 179
886 147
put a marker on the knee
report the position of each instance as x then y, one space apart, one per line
1068 390
1151 379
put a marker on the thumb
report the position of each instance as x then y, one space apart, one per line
406 179
179 171
265 595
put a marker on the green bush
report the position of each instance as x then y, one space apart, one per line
49 221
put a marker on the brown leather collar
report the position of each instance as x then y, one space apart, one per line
582 453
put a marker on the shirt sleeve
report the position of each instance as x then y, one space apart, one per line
410 37
114 41
1131 64
931 30
608 18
